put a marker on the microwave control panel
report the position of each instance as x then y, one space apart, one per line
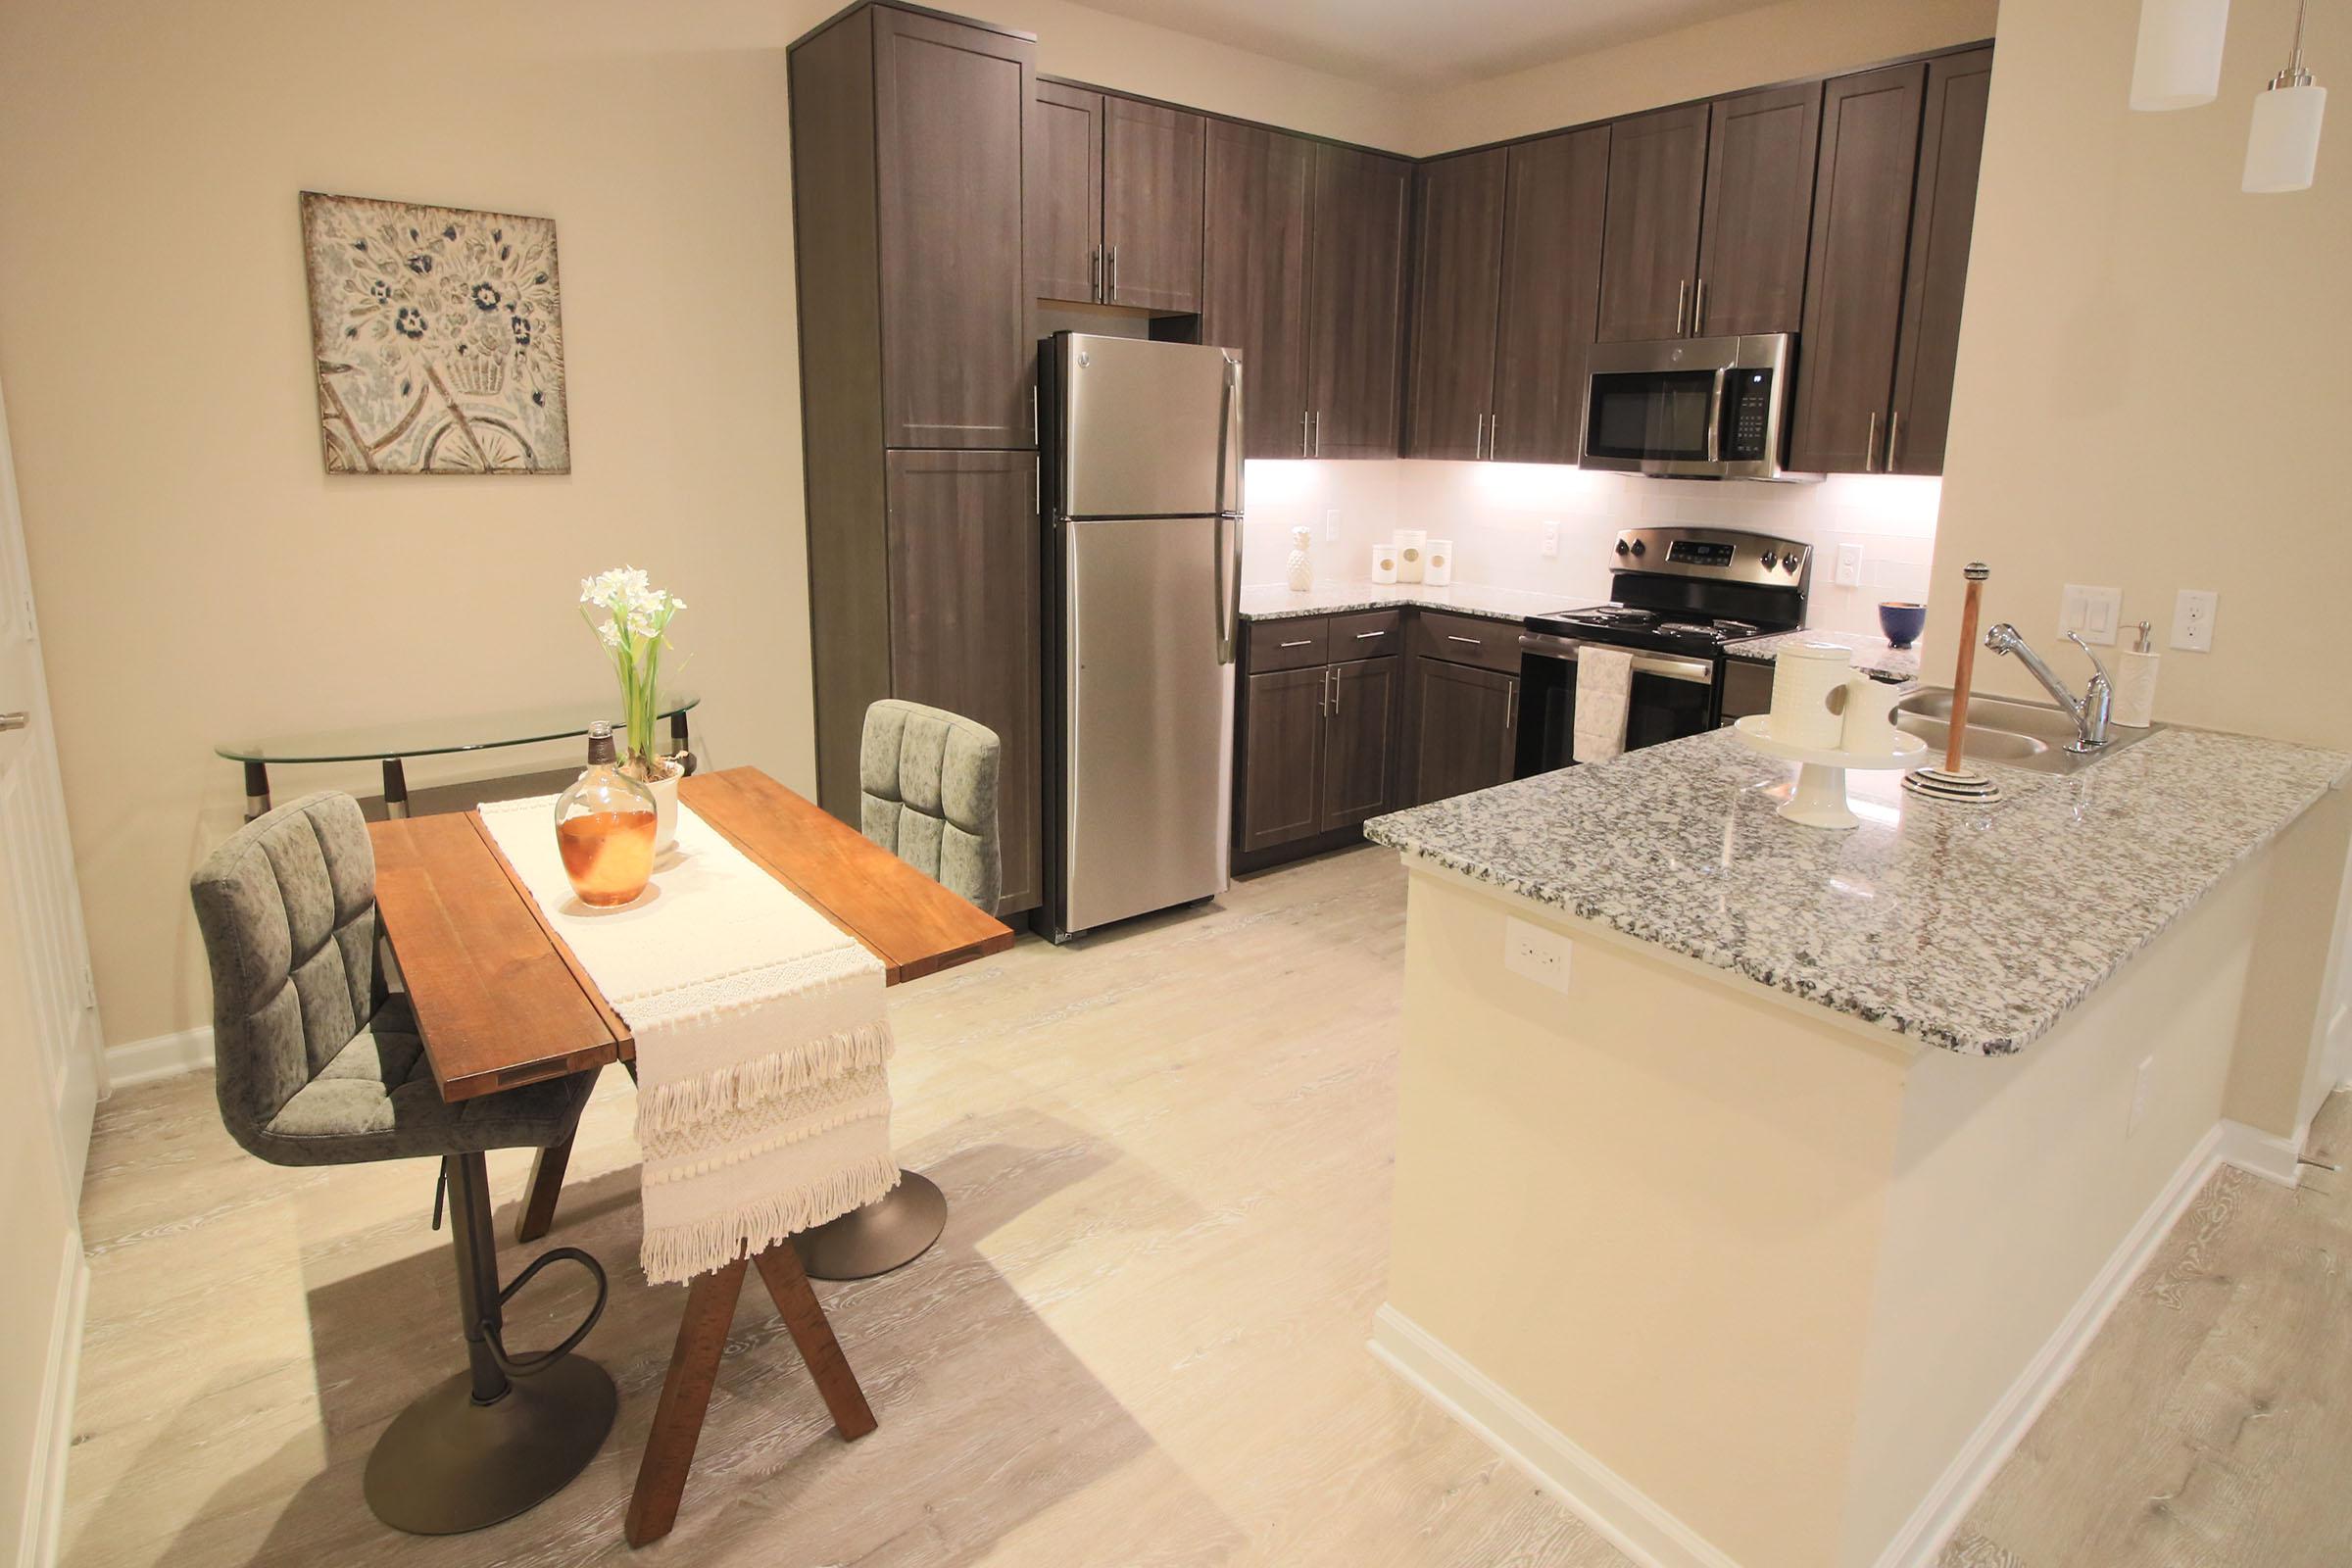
1746 415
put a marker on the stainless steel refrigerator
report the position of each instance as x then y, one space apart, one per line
1143 518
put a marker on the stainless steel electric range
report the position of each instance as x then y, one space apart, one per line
1678 597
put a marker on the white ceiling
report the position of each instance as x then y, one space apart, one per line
1422 43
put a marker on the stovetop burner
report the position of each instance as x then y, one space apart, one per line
1690 627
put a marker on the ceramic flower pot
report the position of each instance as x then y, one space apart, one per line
665 805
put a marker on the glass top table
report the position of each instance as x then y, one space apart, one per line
391 742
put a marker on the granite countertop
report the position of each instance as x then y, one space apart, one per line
1274 601
1971 928
1875 654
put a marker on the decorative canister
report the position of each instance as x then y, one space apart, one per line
1299 570
1383 563
1808 694
1437 563
1413 551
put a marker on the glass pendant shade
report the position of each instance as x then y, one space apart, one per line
2179 60
2283 149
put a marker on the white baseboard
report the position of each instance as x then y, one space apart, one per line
1627 1517
45 1494
140 1061
1646 1531
2265 1155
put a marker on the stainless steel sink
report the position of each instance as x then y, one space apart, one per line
2001 729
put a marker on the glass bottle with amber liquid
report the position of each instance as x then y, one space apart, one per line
605 827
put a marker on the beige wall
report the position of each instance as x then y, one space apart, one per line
1775 43
201 578
2151 389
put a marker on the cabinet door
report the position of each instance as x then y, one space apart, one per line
1254 298
1951 146
1463 740
1657 179
951 108
1281 755
1065 193
963 618
1359 742
1752 237
1550 295
1854 283
1457 282
1152 169
1355 302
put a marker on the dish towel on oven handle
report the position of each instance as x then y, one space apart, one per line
763 1042
1605 690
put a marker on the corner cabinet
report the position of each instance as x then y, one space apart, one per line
1355 303
1461 706
1261 206
912 135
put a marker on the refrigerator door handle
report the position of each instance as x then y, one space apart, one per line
1228 563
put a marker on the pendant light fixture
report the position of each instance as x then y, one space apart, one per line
2282 146
2179 65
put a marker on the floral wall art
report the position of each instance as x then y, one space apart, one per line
438 335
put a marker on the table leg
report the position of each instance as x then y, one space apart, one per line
805 1315
396 789
547 1185
482 1446
257 790
685 1401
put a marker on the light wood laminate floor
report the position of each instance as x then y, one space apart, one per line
1140 1343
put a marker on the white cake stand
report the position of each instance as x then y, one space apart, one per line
1818 800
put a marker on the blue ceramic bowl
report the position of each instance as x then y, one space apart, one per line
1902 622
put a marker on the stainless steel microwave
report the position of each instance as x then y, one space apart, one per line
1690 408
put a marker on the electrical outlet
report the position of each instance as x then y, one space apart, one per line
1536 953
2192 619
1552 539
2092 613
2143 1086
1331 524
1849 566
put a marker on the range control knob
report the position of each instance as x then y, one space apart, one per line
1641 548
1771 559
1623 547
1789 561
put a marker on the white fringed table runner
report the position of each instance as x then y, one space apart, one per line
763 1042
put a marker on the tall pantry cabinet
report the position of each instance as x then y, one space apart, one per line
911 139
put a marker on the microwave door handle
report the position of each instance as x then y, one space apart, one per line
1723 378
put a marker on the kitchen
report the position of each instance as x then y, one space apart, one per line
1378 491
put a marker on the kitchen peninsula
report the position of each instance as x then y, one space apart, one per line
1755 1186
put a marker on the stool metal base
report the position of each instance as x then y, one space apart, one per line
447 1465
891 1232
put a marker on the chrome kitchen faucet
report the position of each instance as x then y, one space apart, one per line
2090 710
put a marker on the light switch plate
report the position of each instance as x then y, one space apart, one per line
1538 955
1331 524
2094 612
1552 539
1849 566
2192 619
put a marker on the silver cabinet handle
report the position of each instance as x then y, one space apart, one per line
1493 431
1681 299
1510 706
1111 277
1323 703
1894 433
1870 445
1698 310
1338 675
1361 635
1475 642
1303 642
1094 273
9 721
1304 420
1319 432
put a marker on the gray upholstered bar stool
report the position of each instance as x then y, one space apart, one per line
927 792
317 1063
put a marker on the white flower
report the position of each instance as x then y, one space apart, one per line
609 633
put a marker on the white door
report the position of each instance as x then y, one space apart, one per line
50 1067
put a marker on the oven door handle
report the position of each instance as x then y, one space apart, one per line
1692 671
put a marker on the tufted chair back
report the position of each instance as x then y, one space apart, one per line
927 793
287 907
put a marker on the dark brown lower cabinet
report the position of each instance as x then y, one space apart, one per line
1466 728
1318 748
1281 755
1359 743
963 620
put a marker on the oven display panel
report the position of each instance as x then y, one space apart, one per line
1698 552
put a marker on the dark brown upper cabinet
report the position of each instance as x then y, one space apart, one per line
1065 193
1862 198
1757 220
1650 255
1457 291
1355 303
1943 212
1552 241
1152 169
1260 197
1116 201
950 106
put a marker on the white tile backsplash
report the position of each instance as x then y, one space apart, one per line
1494 513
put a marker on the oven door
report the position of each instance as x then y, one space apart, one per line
1673 695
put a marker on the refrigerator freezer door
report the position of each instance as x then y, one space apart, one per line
1149 733
1148 427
